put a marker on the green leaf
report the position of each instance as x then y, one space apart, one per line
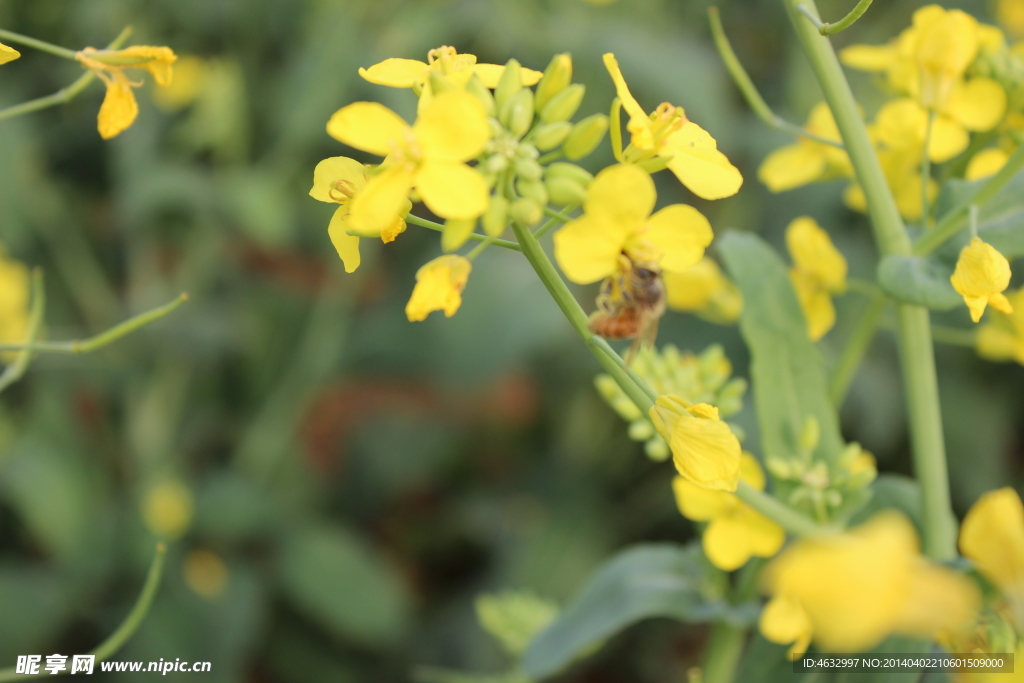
514 618
1005 234
335 579
1000 221
919 281
645 581
788 376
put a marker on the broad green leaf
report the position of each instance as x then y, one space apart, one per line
642 582
788 376
335 579
514 618
1005 234
919 281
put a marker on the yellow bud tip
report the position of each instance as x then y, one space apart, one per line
183 296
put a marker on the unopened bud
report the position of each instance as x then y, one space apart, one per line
527 151
533 189
561 169
551 135
496 163
456 232
496 216
476 87
586 135
565 191
440 84
510 83
517 114
810 433
526 212
528 169
556 78
563 106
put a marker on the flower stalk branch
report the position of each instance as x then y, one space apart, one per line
827 29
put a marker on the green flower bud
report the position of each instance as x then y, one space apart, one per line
497 130
657 450
496 163
496 216
528 169
586 135
526 212
565 191
563 106
476 87
557 77
533 189
561 169
440 84
551 135
511 82
526 151
641 430
456 232
517 113
810 433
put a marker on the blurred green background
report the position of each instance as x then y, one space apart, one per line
343 482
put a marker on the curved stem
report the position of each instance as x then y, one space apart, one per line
13 37
476 237
780 513
555 220
749 90
827 29
856 346
78 346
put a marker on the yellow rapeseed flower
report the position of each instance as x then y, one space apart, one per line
981 275
986 163
1003 337
735 531
819 271
617 219
858 587
992 537
444 61
703 289
704 449
439 286
337 180
807 161
783 621
167 509
15 287
428 156
119 108
689 151
8 54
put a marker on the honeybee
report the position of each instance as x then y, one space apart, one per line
630 304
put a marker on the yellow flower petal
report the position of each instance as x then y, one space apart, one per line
704 449
346 245
639 123
698 503
621 194
160 61
992 536
119 107
368 126
703 288
868 57
784 621
948 139
751 472
8 54
396 72
699 165
190 75
452 127
981 274
375 208
588 248
995 343
726 544
681 233
334 169
763 536
813 253
978 104
986 163
452 189
15 288
439 286
490 75
790 167
816 304
1010 14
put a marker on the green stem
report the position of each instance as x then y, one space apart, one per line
749 90
130 624
827 29
12 37
64 95
915 344
604 347
577 318
479 248
956 219
785 516
16 370
476 237
722 653
554 220
78 346
558 215
954 336
856 346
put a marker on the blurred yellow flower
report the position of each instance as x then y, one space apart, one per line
703 289
986 163
735 531
8 54
167 509
119 108
783 621
617 219
337 180
1010 15
205 573
1002 338
189 77
439 286
858 587
992 537
981 275
444 61
688 150
704 449
15 288
819 271
807 161
428 156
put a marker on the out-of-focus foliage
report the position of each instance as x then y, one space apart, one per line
341 484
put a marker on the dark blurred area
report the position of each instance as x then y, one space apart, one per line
340 483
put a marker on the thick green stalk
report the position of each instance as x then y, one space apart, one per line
722 655
915 341
785 516
856 347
